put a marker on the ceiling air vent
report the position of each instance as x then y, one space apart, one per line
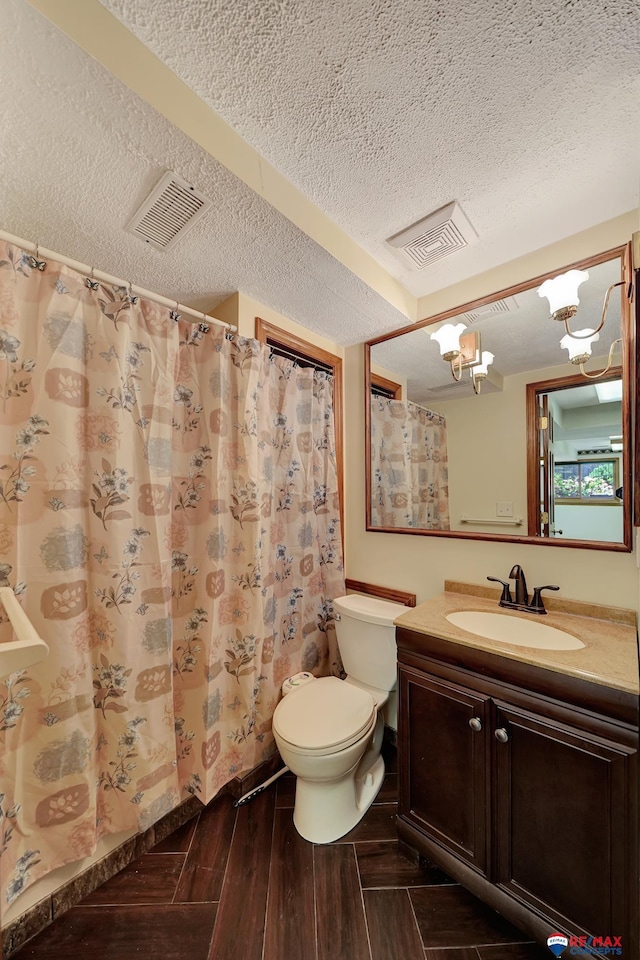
506 305
436 236
172 208
445 387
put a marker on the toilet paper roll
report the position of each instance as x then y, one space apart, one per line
297 680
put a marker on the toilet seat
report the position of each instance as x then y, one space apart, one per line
324 717
379 697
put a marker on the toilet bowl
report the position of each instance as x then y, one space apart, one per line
329 731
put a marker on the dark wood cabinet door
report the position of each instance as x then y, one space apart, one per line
443 763
563 836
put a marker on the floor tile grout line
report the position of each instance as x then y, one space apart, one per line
505 943
129 903
163 853
224 878
133 906
443 949
193 833
315 900
191 903
268 897
415 919
412 886
346 842
451 949
364 909
274 790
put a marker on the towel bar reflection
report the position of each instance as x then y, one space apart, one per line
29 647
511 522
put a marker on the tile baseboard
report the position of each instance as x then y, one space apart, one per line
41 914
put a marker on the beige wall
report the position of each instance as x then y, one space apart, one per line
227 311
420 564
391 375
487 453
241 311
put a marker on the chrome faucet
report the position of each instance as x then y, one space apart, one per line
521 601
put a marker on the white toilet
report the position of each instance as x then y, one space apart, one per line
329 731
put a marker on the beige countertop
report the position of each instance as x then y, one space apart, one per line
609 657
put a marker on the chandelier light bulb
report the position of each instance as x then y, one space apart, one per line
448 338
562 292
482 368
579 349
480 371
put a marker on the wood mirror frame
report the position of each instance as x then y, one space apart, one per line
630 348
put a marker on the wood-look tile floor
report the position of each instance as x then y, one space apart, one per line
243 884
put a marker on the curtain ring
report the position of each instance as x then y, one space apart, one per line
90 282
173 314
130 297
203 327
35 262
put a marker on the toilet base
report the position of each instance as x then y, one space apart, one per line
325 811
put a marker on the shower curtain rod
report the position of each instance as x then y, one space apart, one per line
118 281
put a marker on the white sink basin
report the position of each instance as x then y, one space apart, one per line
514 630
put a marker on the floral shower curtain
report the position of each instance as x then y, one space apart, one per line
170 522
409 479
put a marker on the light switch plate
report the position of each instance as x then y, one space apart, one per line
504 508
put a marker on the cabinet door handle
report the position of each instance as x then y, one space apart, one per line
476 724
501 735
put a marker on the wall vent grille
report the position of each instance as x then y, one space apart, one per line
434 237
172 208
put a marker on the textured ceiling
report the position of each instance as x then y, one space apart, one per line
381 111
79 151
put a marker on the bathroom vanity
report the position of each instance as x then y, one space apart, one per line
518 766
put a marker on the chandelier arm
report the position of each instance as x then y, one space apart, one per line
586 336
477 384
457 361
596 376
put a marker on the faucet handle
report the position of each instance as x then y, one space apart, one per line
506 591
537 605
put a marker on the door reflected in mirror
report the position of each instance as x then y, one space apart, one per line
450 457
576 449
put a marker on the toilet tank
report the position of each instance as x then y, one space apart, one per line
367 639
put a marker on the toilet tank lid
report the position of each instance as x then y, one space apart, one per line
369 609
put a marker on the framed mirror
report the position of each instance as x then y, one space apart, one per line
461 448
